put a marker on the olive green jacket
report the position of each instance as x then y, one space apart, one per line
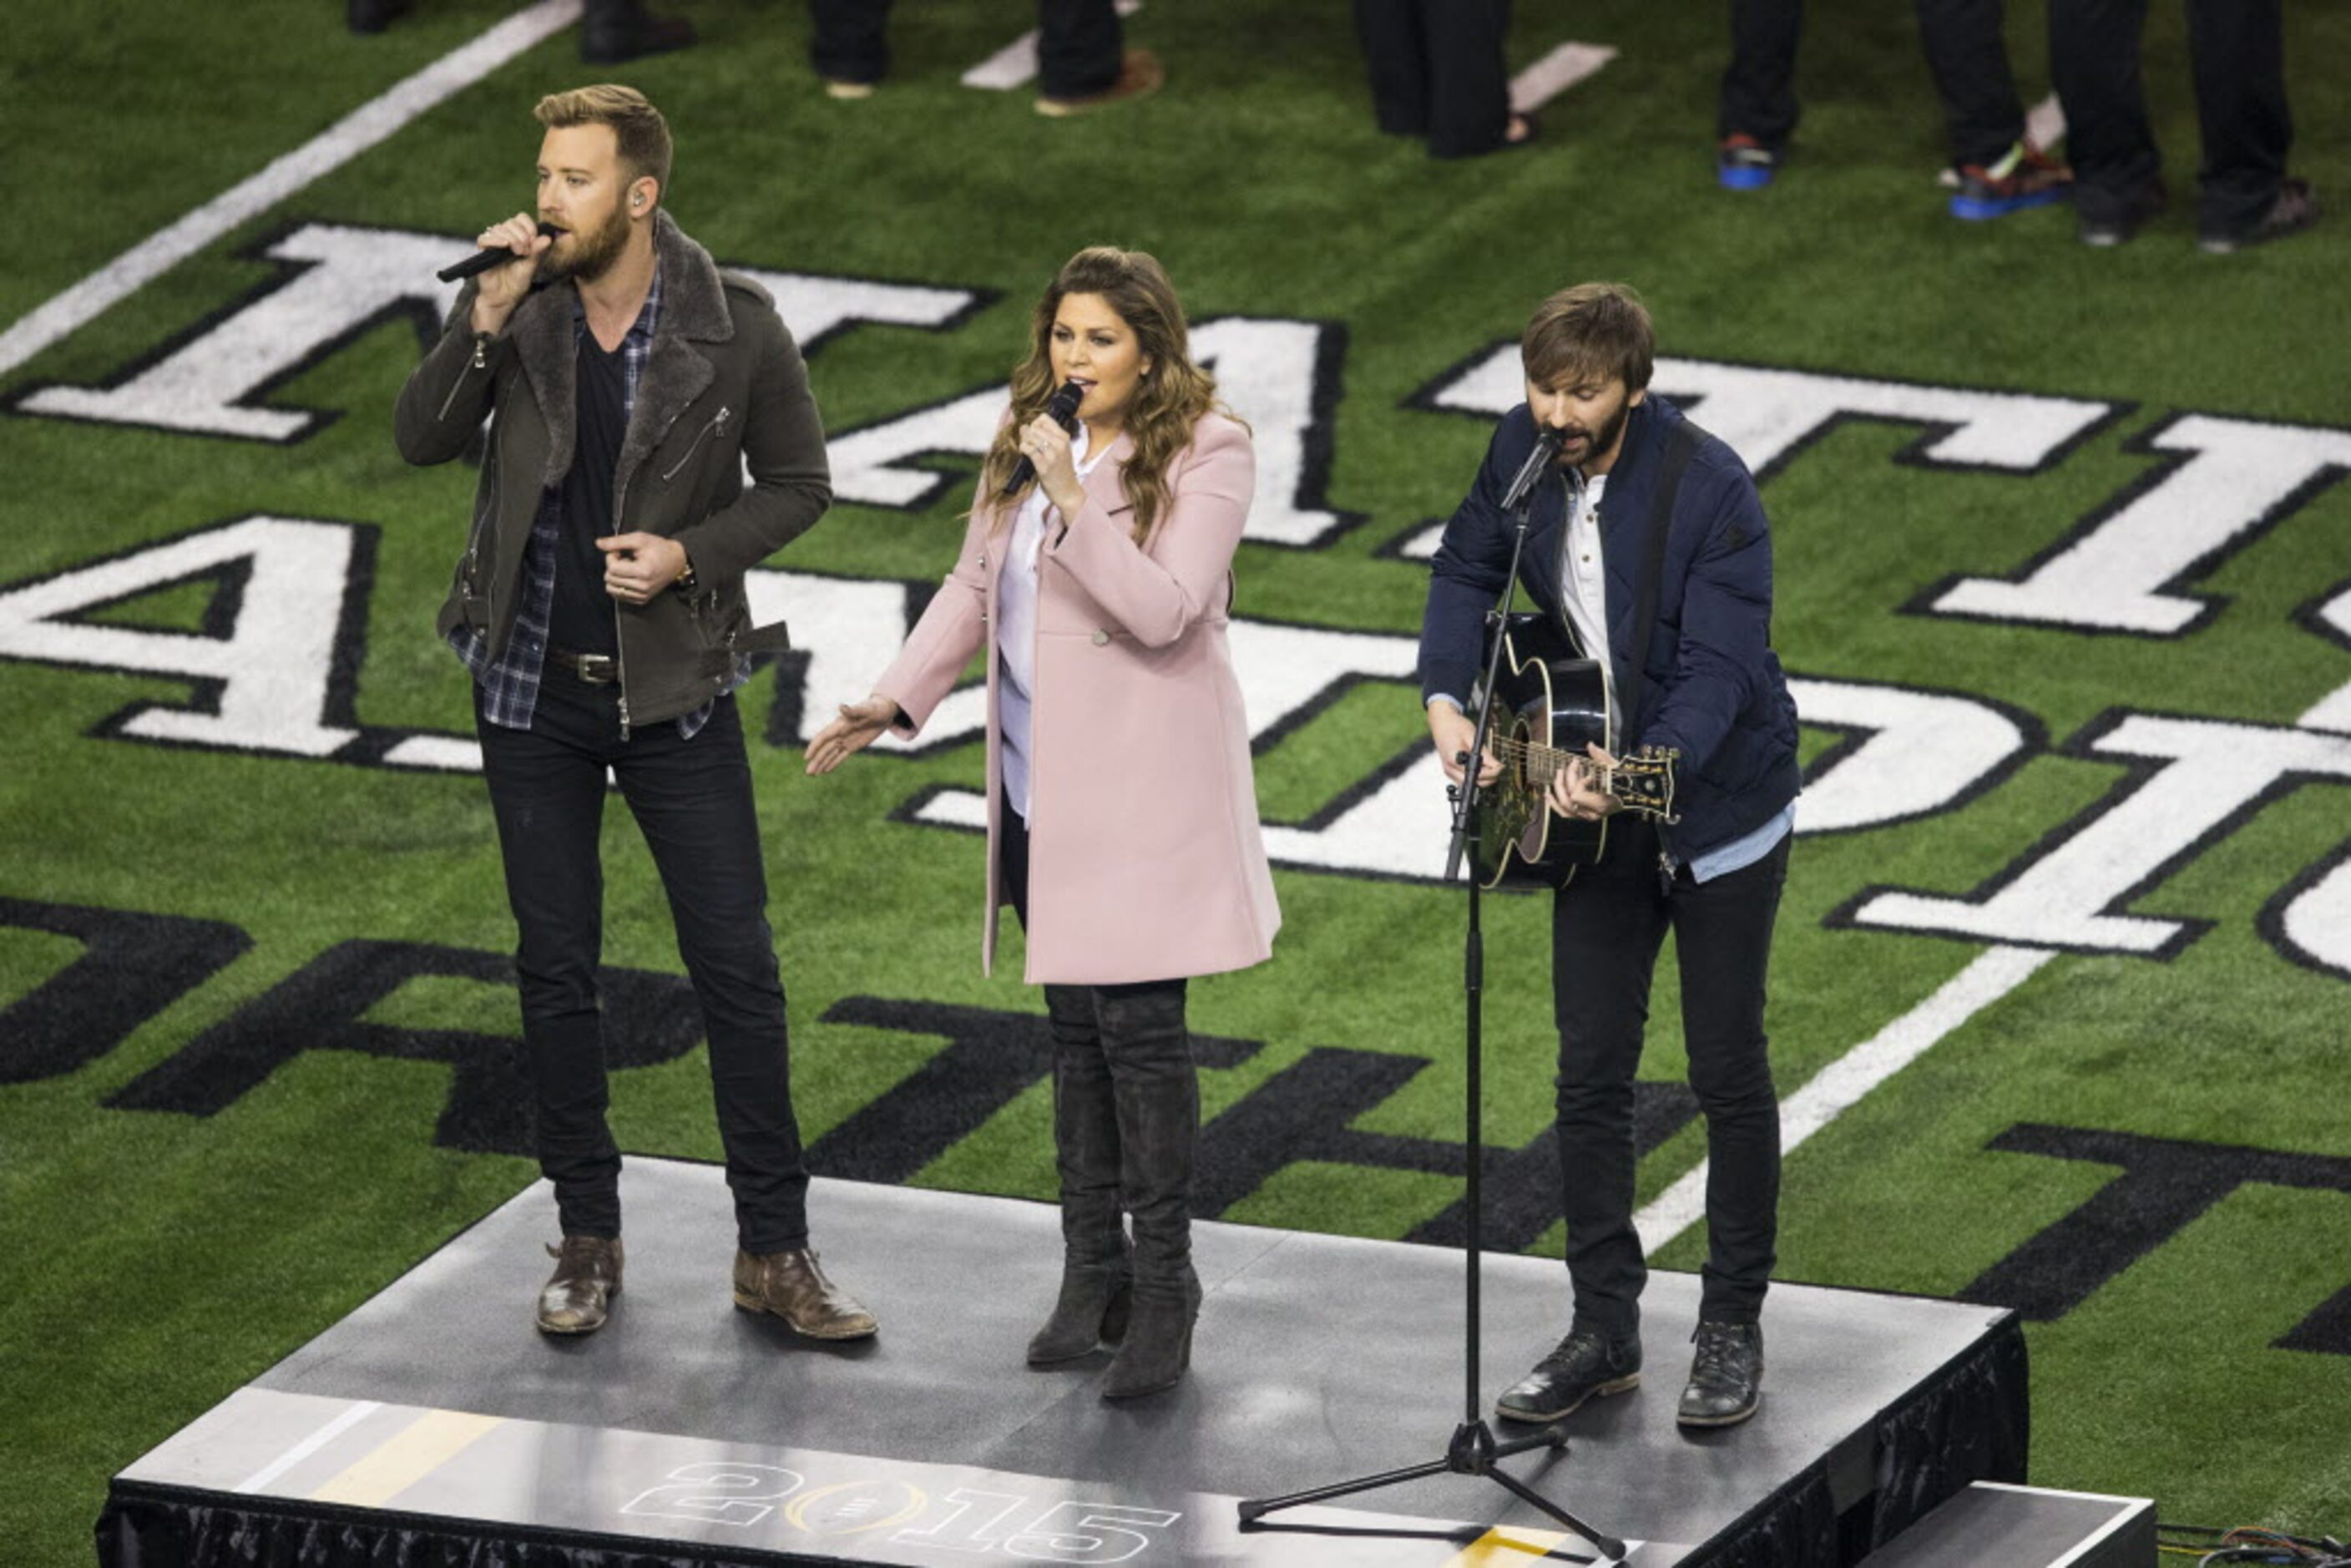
724 381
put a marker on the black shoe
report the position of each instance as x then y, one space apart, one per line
1582 1365
372 15
618 30
2294 210
1726 1376
2104 227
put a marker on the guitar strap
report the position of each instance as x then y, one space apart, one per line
1680 447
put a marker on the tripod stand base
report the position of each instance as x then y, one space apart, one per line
1472 1452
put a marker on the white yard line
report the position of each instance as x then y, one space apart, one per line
1016 62
356 131
1555 73
1840 1086
308 1446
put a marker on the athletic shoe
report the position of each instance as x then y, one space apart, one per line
2105 227
1140 75
1743 163
2023 177
2294 210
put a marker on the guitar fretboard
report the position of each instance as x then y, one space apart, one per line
1543 763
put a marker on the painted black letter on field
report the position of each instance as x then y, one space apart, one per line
649 1017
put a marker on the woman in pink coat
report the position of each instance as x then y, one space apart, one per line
1123 823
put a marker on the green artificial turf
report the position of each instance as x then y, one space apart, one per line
160 1260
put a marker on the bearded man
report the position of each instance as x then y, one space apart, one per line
600 607
1647 541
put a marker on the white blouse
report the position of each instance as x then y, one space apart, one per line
1016 630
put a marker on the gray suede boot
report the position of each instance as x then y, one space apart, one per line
1157 1091
1096 1277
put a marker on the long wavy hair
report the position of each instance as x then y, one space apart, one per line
1167 402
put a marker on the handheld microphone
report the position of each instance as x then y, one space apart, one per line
483 260
1063 412
1539 463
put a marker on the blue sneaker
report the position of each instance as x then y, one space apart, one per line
1743 163
2023 177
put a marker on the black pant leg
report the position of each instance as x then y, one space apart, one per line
1395 56
1759 89
1468 78
1722 944
1967 56
2094 56
2238 47
1606 927
1079 47
1012 857
851 39
546 791
692 800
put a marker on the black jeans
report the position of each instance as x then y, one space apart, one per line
692 800
1606 927
1965 52
1968 55
1758 87
2238 50
1079 48
1438 70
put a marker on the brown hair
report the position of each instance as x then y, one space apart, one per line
1592 332
638 127
1167 402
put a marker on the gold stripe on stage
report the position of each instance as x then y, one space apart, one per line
422 1447
1505 1545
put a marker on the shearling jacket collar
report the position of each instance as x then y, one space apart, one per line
694 309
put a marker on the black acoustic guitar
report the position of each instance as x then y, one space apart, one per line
1550 703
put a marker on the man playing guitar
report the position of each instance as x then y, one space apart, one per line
1649 544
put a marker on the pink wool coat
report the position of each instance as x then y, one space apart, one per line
1145 860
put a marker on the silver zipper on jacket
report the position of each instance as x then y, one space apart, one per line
619 643
715 427
481 526
480 361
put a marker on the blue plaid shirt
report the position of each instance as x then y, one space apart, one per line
510 685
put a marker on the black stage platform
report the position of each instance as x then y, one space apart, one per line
436 1424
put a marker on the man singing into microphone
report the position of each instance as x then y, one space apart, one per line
1647 539
600 606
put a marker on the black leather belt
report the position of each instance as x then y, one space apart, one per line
591 669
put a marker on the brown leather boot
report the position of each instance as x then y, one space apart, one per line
794 1288
578 1295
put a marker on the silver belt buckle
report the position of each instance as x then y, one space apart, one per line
599 669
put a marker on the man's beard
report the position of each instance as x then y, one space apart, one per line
1601 445
593 253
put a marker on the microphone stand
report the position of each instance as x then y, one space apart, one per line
1474 1448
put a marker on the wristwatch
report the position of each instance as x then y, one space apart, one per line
683 583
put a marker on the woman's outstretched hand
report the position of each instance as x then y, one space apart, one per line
857 727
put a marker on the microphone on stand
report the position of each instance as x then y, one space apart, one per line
483 260
1539 463
1063 412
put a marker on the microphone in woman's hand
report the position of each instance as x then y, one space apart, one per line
1062 411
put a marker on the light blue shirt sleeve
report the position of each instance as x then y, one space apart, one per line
1742 853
